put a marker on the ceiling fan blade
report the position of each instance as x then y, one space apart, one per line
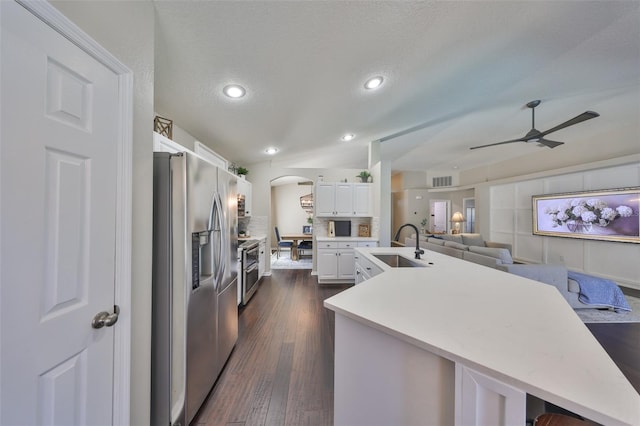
550 144
498 143
575 120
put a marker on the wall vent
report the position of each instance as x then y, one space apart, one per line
441 181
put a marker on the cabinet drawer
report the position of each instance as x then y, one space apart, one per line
327 244
347 244
368 244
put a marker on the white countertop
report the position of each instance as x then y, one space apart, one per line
519 331
345 239
253 237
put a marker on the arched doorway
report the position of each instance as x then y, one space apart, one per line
292 214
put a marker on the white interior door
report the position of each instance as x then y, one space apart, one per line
58 155
439 215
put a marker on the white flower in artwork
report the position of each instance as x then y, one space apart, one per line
608 214
562 216
578 202
596 204
588 216
624 211
603 222
578 210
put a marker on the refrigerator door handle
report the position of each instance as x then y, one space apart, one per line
217 226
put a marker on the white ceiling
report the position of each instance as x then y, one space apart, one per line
457 74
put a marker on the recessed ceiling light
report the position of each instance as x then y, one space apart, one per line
348 137
373 83
234 91
271 150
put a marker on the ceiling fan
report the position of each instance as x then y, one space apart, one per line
537 136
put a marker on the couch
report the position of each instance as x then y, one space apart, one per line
555 275
466 246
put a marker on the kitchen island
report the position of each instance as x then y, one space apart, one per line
454 342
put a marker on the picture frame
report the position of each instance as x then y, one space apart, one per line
606 215
364 230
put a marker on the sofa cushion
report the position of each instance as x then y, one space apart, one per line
498 253
437 241
456 238
456 245
473 240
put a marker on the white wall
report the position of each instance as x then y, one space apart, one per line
126 29
511 220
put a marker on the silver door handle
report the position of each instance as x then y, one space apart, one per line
104 318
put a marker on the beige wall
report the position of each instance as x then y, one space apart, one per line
114 25
287 215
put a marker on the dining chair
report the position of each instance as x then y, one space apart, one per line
282 244
305 245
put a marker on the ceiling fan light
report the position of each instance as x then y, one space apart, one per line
348 137
271 150
373 82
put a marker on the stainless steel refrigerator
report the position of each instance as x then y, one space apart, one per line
194 307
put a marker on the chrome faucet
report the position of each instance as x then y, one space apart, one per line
418 251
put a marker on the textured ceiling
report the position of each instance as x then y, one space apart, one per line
457 74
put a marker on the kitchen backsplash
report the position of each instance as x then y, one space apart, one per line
321 225
254 225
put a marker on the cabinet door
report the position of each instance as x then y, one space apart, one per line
346 264
327 264
244 188
362 199
344 199
247 198
325 199
262 258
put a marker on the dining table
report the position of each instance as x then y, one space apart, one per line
295 238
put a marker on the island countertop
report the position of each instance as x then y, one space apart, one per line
514 329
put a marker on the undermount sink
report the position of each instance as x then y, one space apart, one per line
397 261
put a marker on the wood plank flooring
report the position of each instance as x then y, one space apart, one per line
281 370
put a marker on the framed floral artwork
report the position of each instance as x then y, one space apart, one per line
609 215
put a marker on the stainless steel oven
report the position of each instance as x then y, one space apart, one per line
250 273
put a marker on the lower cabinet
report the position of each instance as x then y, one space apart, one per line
336 260
364 268
262 258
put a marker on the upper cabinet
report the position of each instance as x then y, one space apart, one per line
338 199
244 198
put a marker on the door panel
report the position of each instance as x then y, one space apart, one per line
58 159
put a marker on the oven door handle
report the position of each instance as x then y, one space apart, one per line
252 268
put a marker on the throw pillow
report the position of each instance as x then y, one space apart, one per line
473 240
498 253
456 245
456 238
436 241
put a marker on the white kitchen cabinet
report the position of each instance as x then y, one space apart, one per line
364 268
484 400
342 199
362 200
336 260
244 188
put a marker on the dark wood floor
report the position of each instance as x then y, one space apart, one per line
281 370
622 343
